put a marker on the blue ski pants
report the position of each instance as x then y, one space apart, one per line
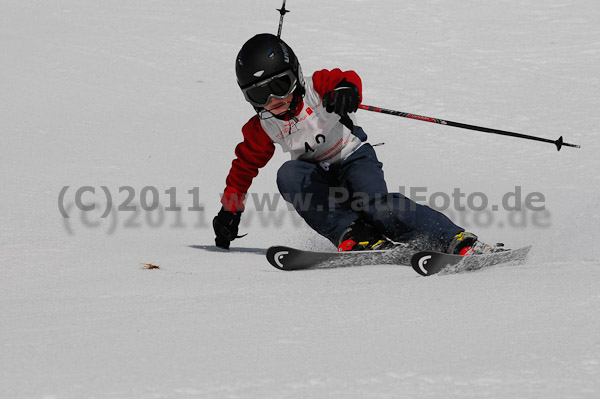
330 199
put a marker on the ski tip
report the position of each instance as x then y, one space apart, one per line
428 263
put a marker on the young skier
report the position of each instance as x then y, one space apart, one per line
334 179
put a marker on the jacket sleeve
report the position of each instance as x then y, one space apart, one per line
251 154
325 80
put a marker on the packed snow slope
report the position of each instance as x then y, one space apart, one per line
138 99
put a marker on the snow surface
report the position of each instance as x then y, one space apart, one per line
143 93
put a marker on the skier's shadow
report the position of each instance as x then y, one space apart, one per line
214 248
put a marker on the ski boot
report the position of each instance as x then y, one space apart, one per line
361 236
465 243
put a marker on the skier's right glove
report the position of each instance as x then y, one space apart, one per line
226 226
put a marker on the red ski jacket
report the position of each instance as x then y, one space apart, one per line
258 147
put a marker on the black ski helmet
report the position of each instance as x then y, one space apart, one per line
262 58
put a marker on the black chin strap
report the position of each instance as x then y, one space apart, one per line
290 114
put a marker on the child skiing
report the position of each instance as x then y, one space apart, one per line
334 179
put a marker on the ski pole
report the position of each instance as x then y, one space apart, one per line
559 143
282 12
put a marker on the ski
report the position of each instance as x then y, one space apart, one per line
427 263
286 258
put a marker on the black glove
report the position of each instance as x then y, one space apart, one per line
343 99
226 225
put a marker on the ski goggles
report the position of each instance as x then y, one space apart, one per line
279 87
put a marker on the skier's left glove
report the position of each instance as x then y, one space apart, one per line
226 226
342 100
